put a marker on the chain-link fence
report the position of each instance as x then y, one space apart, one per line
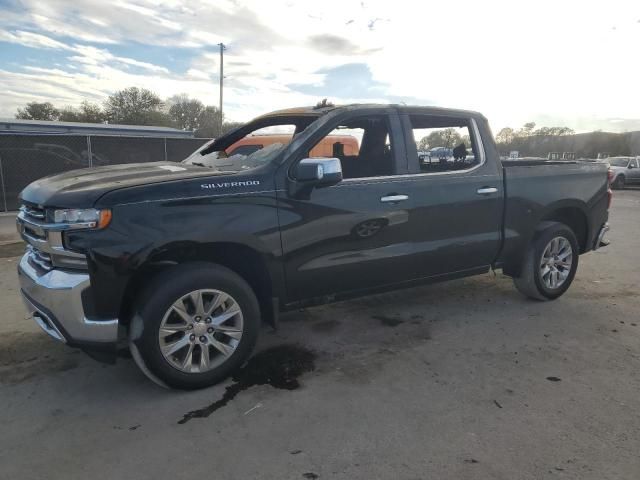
25 158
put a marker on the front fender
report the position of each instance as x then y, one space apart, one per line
141 233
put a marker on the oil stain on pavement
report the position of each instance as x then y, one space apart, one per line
278 366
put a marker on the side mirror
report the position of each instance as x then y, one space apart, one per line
319 172
313 173
631 166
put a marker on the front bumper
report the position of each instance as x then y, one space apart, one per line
54 299
600 240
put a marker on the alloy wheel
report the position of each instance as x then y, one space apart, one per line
556 261
200 330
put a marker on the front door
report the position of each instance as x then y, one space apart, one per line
354 235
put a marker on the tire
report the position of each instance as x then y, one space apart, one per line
169 302
619 183
536 284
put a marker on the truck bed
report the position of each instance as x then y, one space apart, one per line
535 162
576 189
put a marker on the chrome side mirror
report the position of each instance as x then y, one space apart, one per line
319 172
312 173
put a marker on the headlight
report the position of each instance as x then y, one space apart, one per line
82 217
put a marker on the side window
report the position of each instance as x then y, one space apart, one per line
444 143
363 146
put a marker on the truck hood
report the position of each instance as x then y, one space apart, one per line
82 188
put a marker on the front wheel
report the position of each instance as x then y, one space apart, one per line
550 263
199 323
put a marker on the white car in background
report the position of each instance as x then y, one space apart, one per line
625 171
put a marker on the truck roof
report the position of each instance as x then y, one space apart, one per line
322 109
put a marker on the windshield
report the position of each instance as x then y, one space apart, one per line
237 162
258 146
619 162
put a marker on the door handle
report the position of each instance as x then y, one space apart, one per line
394 198
487 190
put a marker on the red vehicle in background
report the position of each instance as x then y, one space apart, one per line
253 143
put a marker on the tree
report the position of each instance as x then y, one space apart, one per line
553 131
565 131
38 111
209 123
527 129
506 135
91 113
185 112
87 112
69 114
447 137
135 106
228 126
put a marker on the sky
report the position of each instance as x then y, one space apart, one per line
557 63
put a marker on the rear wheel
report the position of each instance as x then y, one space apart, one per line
199 323
550 263
619 183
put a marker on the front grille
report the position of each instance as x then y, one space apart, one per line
33 212
34 231
39 259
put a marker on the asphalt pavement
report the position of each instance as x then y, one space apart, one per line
461 380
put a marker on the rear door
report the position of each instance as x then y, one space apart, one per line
354 235
455 198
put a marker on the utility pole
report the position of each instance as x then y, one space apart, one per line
222 47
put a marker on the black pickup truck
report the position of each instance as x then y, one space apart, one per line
183 261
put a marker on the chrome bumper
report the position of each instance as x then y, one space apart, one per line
600 240
54 300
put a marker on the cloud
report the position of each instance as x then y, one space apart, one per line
94 56
333 44
355 82
174 23
84 53
199 74
30 39
513 62
352 80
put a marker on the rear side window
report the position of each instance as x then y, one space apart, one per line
444 144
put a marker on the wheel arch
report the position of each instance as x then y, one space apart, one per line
571 213
615 181
250 264
575 218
